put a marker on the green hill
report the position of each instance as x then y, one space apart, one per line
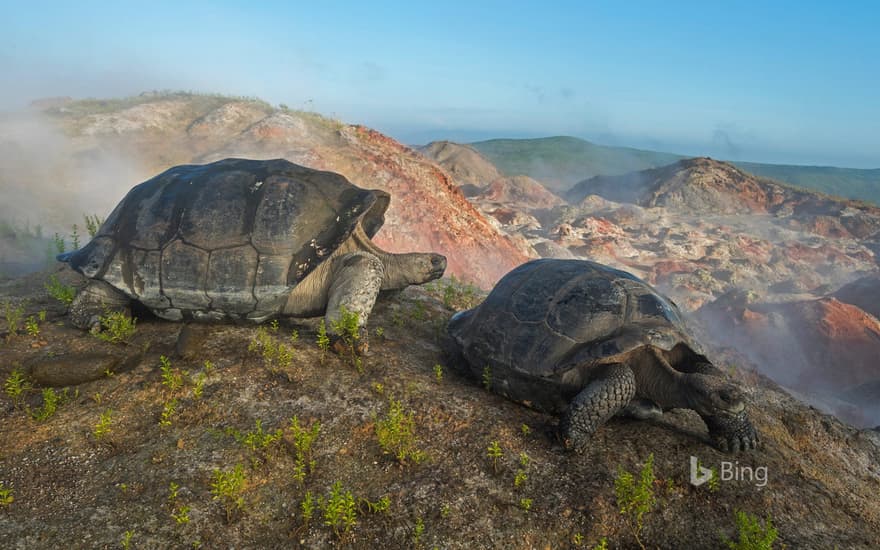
560 162
851 183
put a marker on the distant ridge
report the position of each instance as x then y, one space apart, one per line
562 161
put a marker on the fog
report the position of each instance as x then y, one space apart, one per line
48 183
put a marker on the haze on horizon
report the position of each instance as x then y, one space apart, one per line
791 83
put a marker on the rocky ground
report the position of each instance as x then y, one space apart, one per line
76 489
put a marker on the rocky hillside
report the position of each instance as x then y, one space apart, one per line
467 166
102 148
703 231
219 441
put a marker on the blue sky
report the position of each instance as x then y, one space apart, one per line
787 82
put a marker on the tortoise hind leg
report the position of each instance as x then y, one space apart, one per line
95 300
598 401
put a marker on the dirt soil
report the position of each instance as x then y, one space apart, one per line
73 489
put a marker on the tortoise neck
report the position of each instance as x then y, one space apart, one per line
658 381
394 269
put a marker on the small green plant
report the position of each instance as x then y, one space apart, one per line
199 385
340 510
63 293
521 475
6 495
179 512
171 378
445 510
380 506
525 504
347 327
323 339
714 482
102 428
380 332
116 327
126 540
16 387
577 539
31 326
13 316
487 377
438 372
602 545
494 452
59 243
635 497
754 534
458 295
93 223
228 488
396 434
51 402
418 531
302 444
258 441
42 315
168 410
525 429
74 238
308 507
277 356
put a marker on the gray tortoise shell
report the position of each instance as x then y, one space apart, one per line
549 316
229 238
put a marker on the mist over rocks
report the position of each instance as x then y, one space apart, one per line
754 260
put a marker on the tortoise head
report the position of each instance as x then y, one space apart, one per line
414 268
711 395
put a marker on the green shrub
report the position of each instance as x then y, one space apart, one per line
93 223
347 327
116 327
340 510
51 402
754 534
63 293
635 497
13 315
493 451
228 488
6 495
16 387
171 378
302 444
396 434
102 428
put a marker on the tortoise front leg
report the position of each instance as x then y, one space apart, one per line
601 399
96 299
732 432
357 278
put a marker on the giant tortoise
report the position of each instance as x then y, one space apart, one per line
244 240
586 341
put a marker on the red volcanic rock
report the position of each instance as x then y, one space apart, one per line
863 293
428 211
664 268
520 191
823 346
